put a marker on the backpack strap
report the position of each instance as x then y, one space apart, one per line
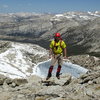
54 43
60 44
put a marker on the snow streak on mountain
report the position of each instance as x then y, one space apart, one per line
16 61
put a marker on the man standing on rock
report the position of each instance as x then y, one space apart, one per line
57 53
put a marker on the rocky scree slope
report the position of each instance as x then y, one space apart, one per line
86 87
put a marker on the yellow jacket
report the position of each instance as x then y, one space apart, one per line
57 47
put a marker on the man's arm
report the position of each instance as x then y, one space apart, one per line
50 52
65 53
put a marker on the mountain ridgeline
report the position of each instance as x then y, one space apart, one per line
80 30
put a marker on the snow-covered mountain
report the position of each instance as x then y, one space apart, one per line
69 15
77 15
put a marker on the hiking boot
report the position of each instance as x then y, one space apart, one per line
47 78
58 75
49 75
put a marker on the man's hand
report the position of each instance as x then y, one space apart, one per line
66 59
50 56
50 53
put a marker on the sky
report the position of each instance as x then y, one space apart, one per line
48 6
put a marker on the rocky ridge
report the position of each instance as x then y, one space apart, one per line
80 30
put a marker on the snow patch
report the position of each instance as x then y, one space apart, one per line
41 69
15 63
59 15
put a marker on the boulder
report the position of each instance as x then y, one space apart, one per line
20 81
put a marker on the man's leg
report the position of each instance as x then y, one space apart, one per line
49 72
53 61
58 71
59 66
